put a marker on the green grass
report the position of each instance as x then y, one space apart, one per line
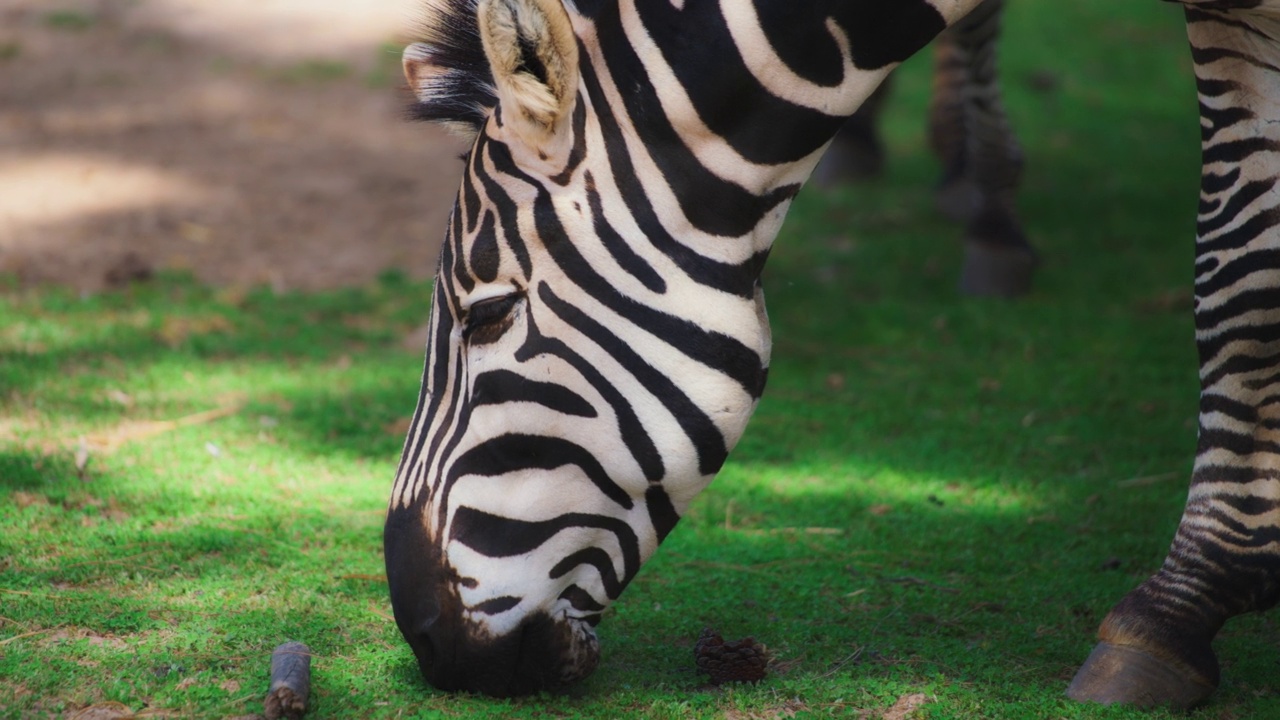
72 20
312 71
937 496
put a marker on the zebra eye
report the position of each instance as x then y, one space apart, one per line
486 316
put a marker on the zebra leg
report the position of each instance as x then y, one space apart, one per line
1225 558
856 153
950 123
981 158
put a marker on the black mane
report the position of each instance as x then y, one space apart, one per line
463 92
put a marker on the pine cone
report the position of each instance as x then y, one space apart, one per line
742 661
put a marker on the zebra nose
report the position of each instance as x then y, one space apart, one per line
453 651
524 661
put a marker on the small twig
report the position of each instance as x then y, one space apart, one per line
131 431
909 580
382 614
117 561
852 657
59 595
769 568
1147 480
6 641
290 682
797 531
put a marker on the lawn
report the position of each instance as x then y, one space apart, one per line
936 503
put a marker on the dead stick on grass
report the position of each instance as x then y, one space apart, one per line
290 682
921 582
6 641
116 561
1147 480
129 432
851 658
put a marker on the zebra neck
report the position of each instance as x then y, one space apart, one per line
733 101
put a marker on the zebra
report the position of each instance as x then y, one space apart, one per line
598 335
970 133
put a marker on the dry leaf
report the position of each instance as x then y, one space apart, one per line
140 430
119 397
417 338
175 329
399 427
904 706
195 232
25 499
104 711
879 509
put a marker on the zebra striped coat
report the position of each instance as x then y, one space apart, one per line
599 338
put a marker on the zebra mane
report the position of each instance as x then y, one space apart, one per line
462 93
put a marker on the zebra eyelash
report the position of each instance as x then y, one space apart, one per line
491 310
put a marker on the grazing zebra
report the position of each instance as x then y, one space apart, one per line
970 134
599 339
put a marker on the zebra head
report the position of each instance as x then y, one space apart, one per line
586 373
598 337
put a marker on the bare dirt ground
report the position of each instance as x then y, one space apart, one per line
248 141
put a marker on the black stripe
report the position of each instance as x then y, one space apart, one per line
495 536
662 513
738 279
498 605
1241 235
581 600
517 451
703 433
598 559
508 213
617 245
1239 268
485 259
632 432
496 387
1212 183
711 203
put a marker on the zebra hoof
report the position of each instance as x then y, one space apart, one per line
1116 674
997 270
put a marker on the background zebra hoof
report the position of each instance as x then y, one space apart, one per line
996 270
1125 675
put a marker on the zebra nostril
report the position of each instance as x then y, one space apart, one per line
425 648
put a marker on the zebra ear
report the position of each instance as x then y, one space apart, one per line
533 55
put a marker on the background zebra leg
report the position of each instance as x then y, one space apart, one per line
981 157
953 119
1225 558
